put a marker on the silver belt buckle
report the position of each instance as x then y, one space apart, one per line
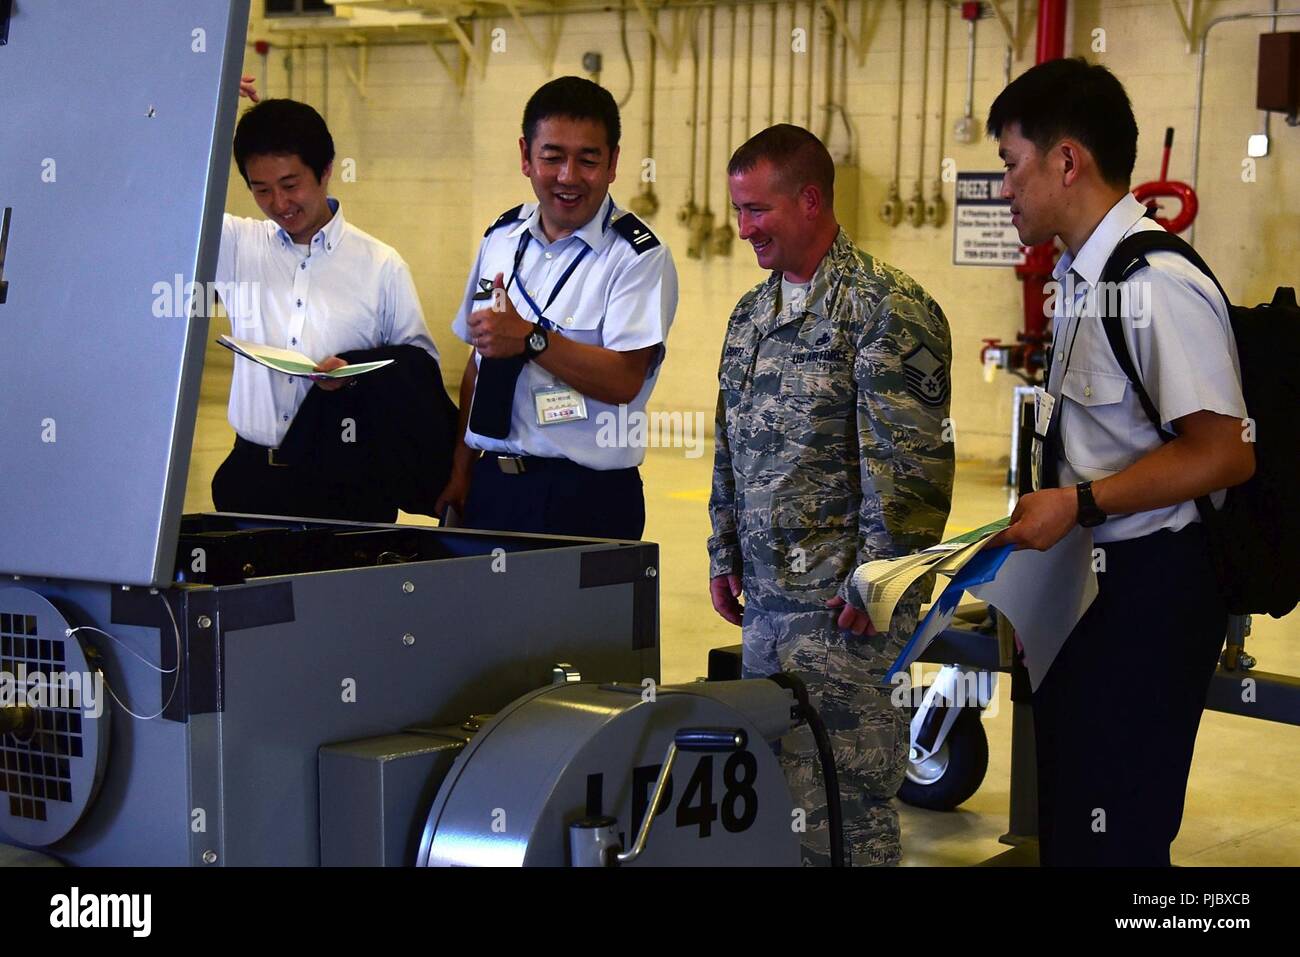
511 464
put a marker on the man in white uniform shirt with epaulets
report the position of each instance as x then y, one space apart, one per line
1116 715
567 309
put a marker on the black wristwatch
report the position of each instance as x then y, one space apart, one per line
1090 516
536 343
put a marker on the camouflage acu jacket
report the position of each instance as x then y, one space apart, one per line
834 445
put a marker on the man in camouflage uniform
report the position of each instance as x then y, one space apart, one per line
833 449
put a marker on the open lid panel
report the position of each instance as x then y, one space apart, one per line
115 128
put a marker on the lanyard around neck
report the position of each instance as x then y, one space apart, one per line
555 291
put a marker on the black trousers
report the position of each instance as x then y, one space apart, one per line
556 497
248 482
1116 716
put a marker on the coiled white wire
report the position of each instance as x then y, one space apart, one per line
70 632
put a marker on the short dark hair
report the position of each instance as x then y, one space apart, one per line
284 128
800 158
1074 98
577 99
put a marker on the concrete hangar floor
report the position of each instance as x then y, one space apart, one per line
1243 799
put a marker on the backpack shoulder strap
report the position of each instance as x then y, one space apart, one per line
1127 258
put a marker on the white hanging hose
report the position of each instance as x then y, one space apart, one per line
789 97
943 86
808 94
771 63
731 98
841 104
627 55
898 113
749 70
695 100
708 119
828 33
650 102
970 69
925 91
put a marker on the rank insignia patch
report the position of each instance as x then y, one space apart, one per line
927 379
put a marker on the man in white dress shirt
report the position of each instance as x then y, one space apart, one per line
1115 718
310 281
567 308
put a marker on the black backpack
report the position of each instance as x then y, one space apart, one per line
1255 537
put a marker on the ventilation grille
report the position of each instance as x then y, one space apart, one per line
36 770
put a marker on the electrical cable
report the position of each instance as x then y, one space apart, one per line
71 632
830 777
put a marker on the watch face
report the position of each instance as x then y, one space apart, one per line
537 342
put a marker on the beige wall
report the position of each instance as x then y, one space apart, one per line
433 167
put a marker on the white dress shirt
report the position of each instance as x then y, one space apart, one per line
350 292
618 298
1182 346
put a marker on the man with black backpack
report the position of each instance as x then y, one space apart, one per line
1116 716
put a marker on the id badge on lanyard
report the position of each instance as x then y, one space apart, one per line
556 403
559 403
1044 421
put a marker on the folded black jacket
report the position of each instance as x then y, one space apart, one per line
395 428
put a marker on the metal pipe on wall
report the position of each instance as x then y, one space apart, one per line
723 234
708 120
1200 88
789 99
891 210
771 63
935 209
842 102
646 202
1051 30
627 56
749 70
325 83
686 215
827 26
966 130
809 53
915 212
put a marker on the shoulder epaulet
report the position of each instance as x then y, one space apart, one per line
509 216
635 232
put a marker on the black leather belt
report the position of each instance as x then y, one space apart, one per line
519 464
252 448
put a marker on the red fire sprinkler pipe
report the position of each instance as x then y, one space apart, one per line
1051 30
1036 271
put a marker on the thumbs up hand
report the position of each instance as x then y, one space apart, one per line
498 331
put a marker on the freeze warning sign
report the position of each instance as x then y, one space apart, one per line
982 234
